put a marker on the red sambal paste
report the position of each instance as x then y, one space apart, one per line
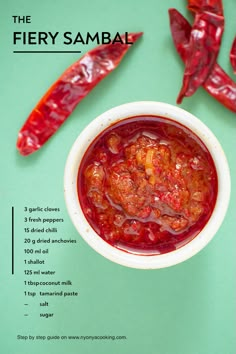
147 185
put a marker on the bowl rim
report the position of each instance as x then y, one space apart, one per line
124 111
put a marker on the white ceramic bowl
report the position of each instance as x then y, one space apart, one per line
71 196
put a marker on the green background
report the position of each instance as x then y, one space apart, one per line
185 309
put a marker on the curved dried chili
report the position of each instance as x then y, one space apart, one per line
218 83
71 87
213 6
204 44
233 55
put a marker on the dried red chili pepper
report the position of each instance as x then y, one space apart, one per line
71 87
213 6
218 83
204 45
233 55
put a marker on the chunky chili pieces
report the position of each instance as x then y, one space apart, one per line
147 184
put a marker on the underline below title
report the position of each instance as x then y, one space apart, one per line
45 51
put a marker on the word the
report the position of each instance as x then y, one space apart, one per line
23 19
